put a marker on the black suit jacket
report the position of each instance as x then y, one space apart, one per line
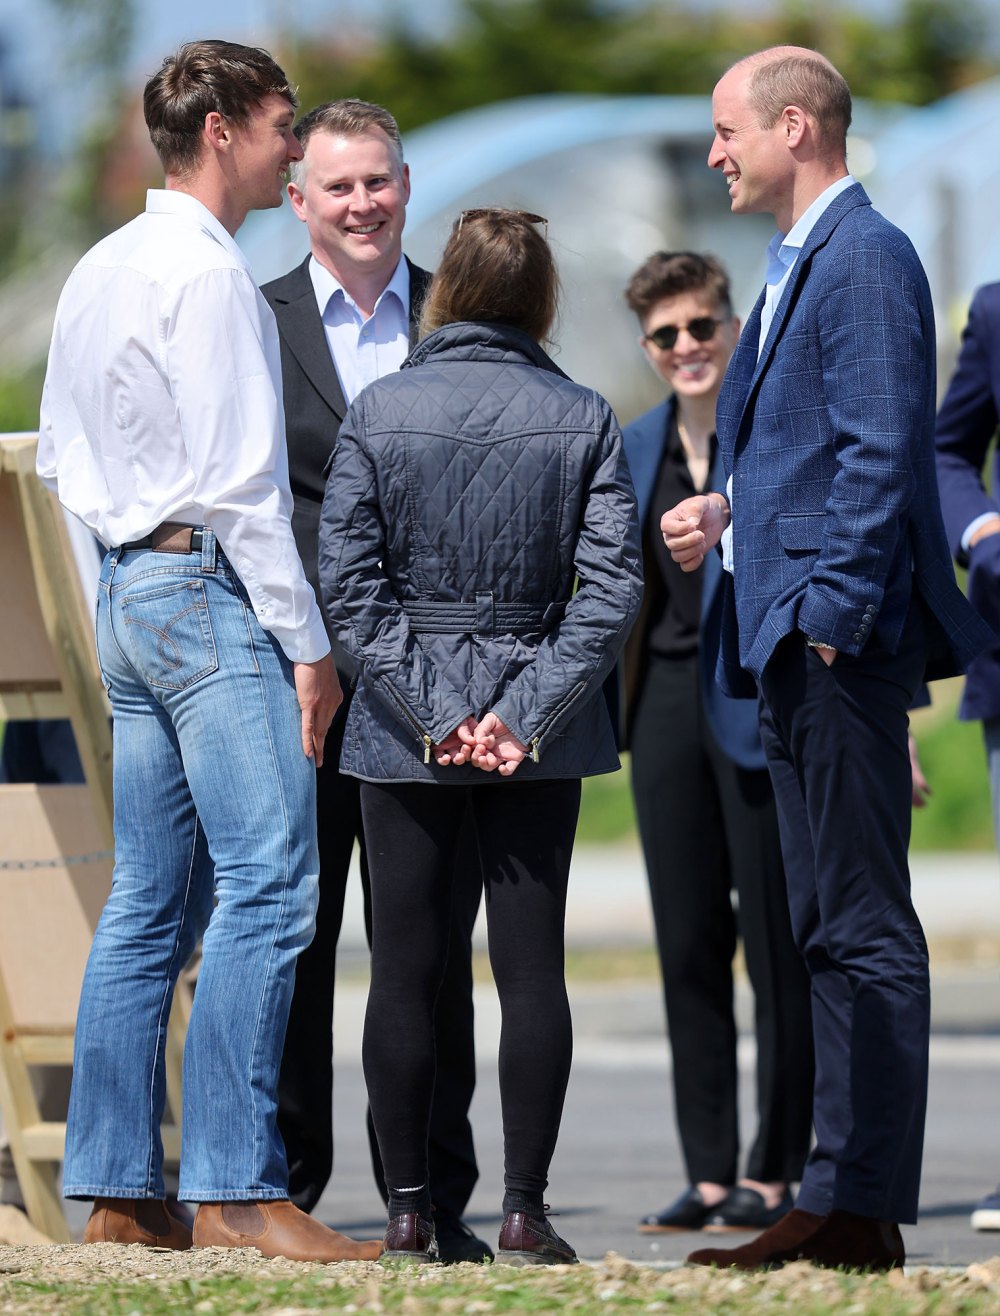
315 406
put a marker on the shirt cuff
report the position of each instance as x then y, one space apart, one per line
973 526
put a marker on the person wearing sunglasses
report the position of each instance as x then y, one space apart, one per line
704 802
479 558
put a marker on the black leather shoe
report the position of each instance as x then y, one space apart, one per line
527 1240
409 1238
456 1241
687 1213
744 1208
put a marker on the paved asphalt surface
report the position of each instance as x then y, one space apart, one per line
618 1156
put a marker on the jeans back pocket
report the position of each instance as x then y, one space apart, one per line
169 633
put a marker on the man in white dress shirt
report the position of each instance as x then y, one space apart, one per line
162 430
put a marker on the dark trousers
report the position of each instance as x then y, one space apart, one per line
524 832
707 826
836 742
305 1089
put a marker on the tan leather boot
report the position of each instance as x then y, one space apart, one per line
276 1229
135 1220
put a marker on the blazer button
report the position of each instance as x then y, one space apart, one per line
858 636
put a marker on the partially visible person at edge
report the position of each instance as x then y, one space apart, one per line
966 430
468 493
162 430
347 315
842 598
703 797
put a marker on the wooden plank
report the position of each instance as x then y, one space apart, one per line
49 907
25 655
32 705
70 632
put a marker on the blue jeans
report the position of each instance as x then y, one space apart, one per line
214 797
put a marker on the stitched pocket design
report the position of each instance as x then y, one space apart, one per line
170 634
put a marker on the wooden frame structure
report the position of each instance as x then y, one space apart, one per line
56 842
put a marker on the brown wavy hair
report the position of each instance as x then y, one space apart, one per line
203 76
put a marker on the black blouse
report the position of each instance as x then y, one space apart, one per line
674 595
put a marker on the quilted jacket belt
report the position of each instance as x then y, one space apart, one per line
484 617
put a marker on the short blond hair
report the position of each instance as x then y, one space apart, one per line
793 75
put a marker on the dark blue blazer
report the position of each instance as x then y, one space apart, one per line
733 721
829 439
966 427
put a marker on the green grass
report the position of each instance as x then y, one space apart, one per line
615 1287
958 815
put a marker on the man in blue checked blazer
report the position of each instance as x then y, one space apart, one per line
841 600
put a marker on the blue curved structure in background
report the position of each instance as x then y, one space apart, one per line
619 177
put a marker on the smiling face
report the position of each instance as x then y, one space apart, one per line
353 202
263 149
755 161
692 369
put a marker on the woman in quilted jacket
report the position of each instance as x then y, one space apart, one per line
479 557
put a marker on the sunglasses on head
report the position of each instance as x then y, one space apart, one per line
481 212
702 330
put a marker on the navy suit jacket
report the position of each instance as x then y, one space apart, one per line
733 721
966 427
829 439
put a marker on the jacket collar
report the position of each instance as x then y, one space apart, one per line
746 368
305 337
480 341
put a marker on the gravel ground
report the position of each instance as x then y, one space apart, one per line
796 1287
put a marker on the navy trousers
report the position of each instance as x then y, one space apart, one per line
836 743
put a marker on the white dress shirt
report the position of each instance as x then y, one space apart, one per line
363 350
162 402
783 251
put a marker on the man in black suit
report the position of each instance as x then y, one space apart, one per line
348 315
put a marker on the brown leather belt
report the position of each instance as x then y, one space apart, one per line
170 537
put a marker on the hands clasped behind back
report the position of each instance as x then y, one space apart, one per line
489 745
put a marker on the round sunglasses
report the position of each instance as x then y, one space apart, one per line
702 330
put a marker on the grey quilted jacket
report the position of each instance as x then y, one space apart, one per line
479 549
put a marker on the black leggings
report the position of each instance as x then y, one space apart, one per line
524 833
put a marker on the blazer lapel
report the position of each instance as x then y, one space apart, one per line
419 283
735 392
305 337
818 235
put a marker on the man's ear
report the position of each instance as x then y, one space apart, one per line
297 200
794 123
216 131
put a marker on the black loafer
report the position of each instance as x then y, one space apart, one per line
687 1213
744 1209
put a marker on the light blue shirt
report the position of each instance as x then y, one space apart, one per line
363 350
783 251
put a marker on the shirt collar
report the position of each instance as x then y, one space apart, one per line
783 249
327 285
168 201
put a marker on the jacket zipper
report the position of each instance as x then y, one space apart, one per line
539 736
425 738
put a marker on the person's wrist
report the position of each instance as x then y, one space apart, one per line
813 643
984 531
